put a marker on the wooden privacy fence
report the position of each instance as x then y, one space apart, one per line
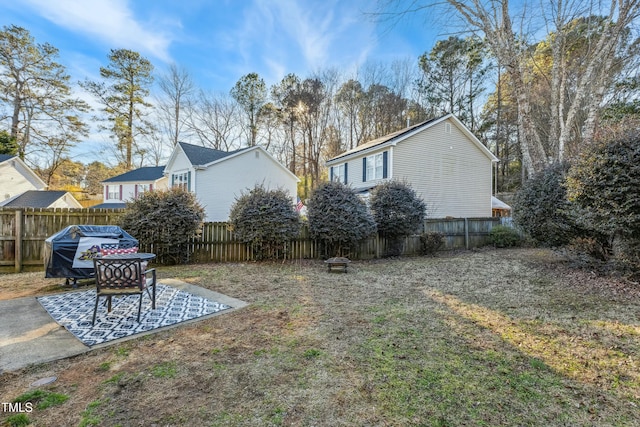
23 232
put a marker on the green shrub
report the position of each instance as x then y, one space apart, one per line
164 222
431 242
502 236
541 208
605 184
266 220
338 218
397 211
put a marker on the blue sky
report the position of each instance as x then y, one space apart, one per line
218 41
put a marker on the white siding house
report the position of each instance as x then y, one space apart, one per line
120 189
16 178
44 199
218 177
447 166
20 187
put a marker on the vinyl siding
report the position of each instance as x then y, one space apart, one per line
180 164
356 173
447 170
129 189
219 185
450 173
15 180
66 201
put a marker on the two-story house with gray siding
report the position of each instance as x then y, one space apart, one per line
447 166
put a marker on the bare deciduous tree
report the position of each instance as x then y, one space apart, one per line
215 121
177 88
496 22
493 19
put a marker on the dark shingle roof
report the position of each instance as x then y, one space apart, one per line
149 173
35 199
202 155
5 157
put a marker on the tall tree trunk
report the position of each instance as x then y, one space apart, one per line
293 148
558 81
533 154
129 137
176 130
496 24
494 20
597 77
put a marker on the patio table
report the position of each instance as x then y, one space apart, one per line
144 256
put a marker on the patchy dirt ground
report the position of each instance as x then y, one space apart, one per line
489 337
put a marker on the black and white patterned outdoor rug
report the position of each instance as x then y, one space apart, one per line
74 311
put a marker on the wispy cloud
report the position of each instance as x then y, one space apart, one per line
311 29
110 21
286 35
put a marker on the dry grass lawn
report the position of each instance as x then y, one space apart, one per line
478 338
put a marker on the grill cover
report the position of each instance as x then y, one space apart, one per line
69 253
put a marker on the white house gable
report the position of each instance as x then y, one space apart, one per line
16 178
219 182
66 201
450 173
219 185
181 171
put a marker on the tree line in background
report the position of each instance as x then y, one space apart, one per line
533 100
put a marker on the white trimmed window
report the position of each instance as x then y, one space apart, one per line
339 173
375 166
113 192
140 189
181 180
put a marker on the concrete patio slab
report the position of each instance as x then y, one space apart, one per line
29 336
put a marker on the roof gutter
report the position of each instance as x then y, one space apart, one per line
391 143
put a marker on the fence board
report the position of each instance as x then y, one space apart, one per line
217 242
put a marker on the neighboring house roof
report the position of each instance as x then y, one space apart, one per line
110 206
395 137
203 157
37 199
5 157
499 204
200 156
148 173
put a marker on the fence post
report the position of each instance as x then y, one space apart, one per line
18 242
466 233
